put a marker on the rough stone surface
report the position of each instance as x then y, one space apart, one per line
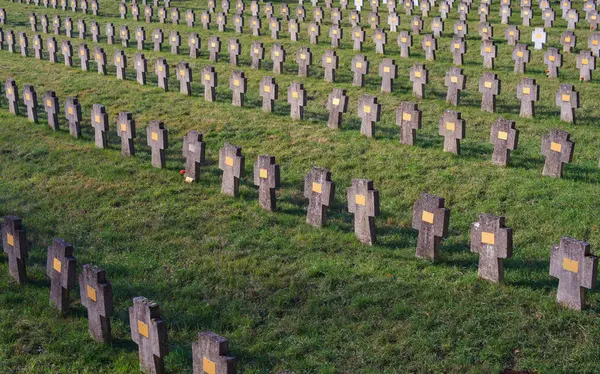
194 152
430 218
452 127
504 136
16 247
319 189
61 269
493 242
210 354
231 162
266 177
126 131
149 332
558 150
97 298
363 202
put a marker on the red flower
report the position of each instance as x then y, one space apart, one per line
182 171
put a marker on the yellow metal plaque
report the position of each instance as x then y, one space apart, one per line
555 147
566 98
10 240
317 187
263 173
208 367
57 265
502 135
366 109
228 161
335 101
488 238
450 126
526 90
91 293
427 216
360 200
143 329
570 265
406 116
123 127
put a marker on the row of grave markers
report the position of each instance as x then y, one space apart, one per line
210 353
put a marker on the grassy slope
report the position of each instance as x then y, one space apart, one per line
287 295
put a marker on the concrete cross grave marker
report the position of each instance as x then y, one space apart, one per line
360 67
572 19
274 26
194 44
553 61
161 69
512 35
238 86
363 202
297 100
158 140
576 269
68 27
149 332
141 68
437 27
209 81
354 18
95 30
565 6
380 39
190 18
335 34
594 43
81 28
257 53
97 298
12 95
492 240
369 111
358 38
51 108
526 15
504 136
44 22
100 125
73 116
404 42
256 25
214 47
126 131
304 60
489 86
38 47
452 128
210 355
314 30
337 104
416 25
231 162
329 62
408 118
529 93
419 75
95 7
238 23
538 37
461 29
266 177
61 269
568 40
521 56
135 12
586 63
175 42
84 57
162 15
31 102
374 20
123 10
455 80
278 55
484 11
52 48
205 19
319 189
56 24
489 52
140 36
293 30
221 21
430 218
388 71
486 31
120 61
424 6
548 17
269 92
505 13
124 33
110 33
157 39
558 150
33 21
393 20
300 13
568 100
67 51
23 44
184 76
444 9
193 151
234 51
16 247
175 16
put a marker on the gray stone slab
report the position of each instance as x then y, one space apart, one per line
97 298
149 332
61 269
492 240
363 202
430 218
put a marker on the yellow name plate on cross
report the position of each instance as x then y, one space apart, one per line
566 98
328 60
502 135
456 46
570 265
57 265
417 74
367 109
228 161
27 96
236 82
584 61
267 89
488 238
317 187
450 126
70 110
91 293
519 54
335 101
154 136
360 200
488 49
487 84
555 147
208 367
123 127
294 94
406 116
359 65
49 103
207 77
526 90
263 173
386 69
10 240
427 217
142 329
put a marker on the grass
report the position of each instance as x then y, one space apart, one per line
289 296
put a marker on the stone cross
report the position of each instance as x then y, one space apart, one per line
538 37
504 136
358 38
461 29
576 269
528 92
175 42
126 131
135 12
329 62
210 355
61 269
512 35
337 104
31 102
430 218
141 68
68 27
319 189
120 60
300 13
586 63
404 42
369 111
194 44
51 109
548 17
33 21
565 6
572 19
234 51
214 47
157 137
95 30
157 39
124 32
148 13
363 202
257 53
266 177
379 39
73 116
38 46
318 14
505 13
184 76
452 128
594 43
161 69
455 80
360 67
486 31
256 25
492 240
190 17
274 26
221 21
297 100
67 51
175 16
100 125
388 71
205 19
209 81
304 60
408 118
15 245
526 15
12 95
437 27
416 25
268 90
568 39
123 10
149 332
374 20
393 20
23 43
521 56
56 23
429 45
84 56
162 15
314 30
238 23
278 56
110 33
44 22
558 150
568 100
489 86
238 86
484 11
335 34
553 61
489 52
425 8
97 298
293 30
231 162
444 9
193 151
419 75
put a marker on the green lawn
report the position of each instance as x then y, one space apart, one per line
287 295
